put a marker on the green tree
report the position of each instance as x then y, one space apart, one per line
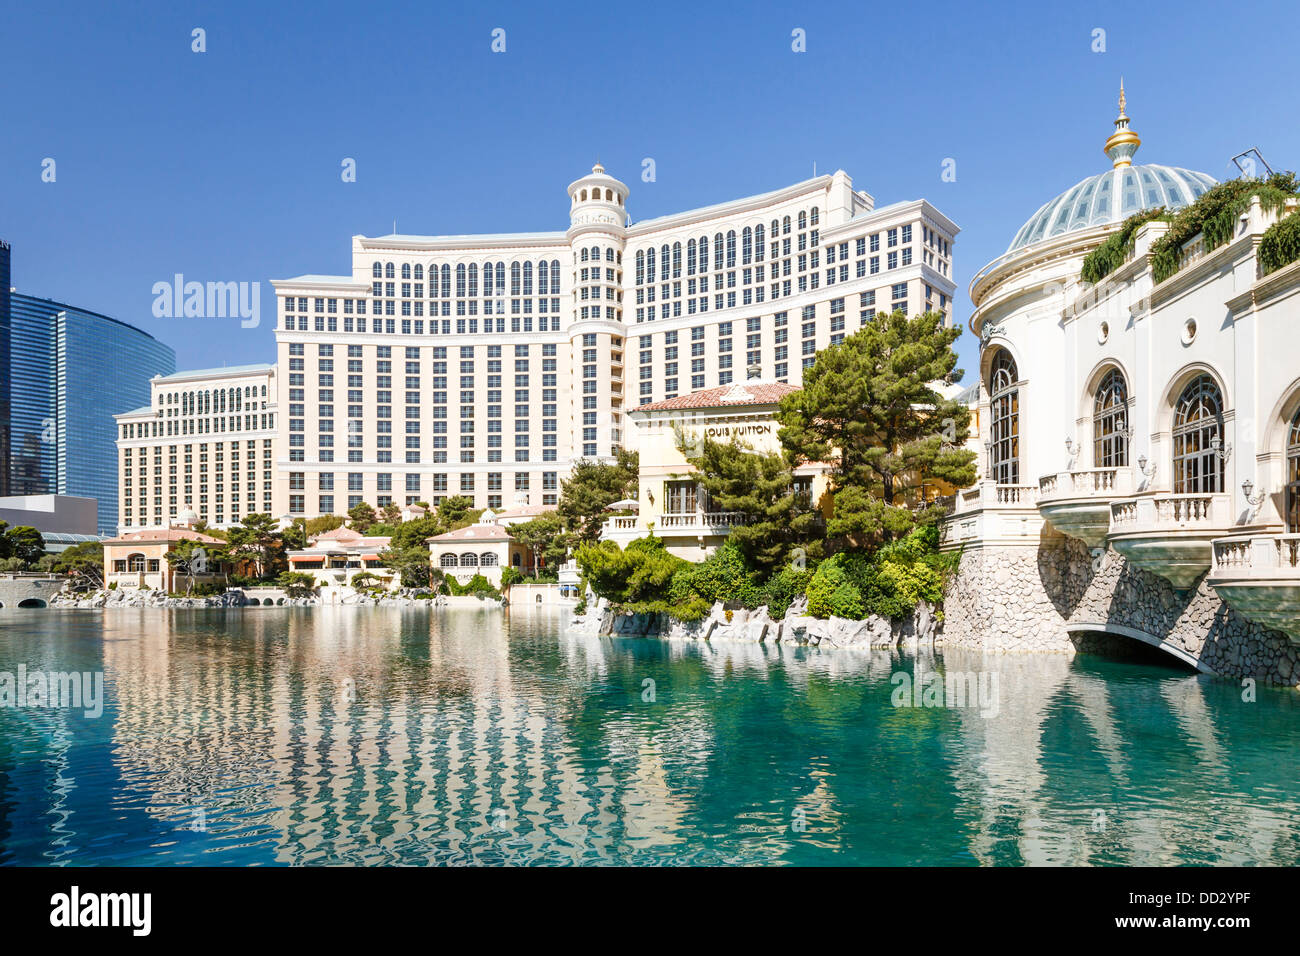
322 524
83 564
296 583
869 408
256 539
545 537
456 512
637 578
775 514
415 533
411 564
189 559
362 517
23 543
391 514
592 487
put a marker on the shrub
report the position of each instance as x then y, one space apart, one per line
783 587
1116 248
1280 244
1214 215
510 576
832 593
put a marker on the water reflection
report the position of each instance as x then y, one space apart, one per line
375 735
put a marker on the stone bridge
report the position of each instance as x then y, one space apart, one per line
1058 597
23 590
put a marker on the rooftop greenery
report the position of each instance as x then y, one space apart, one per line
1213 215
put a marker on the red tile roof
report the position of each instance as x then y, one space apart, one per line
724 396
475 532
171 534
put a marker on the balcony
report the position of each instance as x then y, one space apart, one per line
1078 503
712 522
1170 535
621 529
1259 577
989 513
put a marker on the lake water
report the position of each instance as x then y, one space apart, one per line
422 736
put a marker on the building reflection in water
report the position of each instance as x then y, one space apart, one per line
370 736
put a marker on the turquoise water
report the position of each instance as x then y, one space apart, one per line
382 736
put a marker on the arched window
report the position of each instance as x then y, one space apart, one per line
135 562
760 243
446 281
487 560
1110 422
690 257
1198 422
406 270
469 560
447 561
677 260
650 264
717 251
460 279
704 253
419 271
388 270
555 277
377 270
1004 431
731 248
1293 475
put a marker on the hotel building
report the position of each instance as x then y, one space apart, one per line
485 365
203 449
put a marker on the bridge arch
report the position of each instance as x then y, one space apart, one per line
1104 627
31 602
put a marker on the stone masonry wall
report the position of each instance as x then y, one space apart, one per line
1010 599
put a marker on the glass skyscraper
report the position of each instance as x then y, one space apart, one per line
71 372
5 324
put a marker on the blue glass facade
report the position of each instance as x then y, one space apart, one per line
72 371
5 324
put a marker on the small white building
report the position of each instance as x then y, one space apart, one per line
335 557
481 548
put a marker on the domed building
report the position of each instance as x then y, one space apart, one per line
1141 435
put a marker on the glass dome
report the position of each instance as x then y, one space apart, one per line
1111 197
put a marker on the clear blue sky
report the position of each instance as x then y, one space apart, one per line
225 165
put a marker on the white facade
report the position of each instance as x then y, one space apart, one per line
414 378
202 449
1160 420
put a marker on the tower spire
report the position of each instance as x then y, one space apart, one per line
1123 143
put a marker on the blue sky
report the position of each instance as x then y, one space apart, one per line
225 165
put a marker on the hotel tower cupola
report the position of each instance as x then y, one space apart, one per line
1123 143
598 199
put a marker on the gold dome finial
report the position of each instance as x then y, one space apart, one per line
1123 143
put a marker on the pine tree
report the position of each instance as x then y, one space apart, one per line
869 408
775 517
